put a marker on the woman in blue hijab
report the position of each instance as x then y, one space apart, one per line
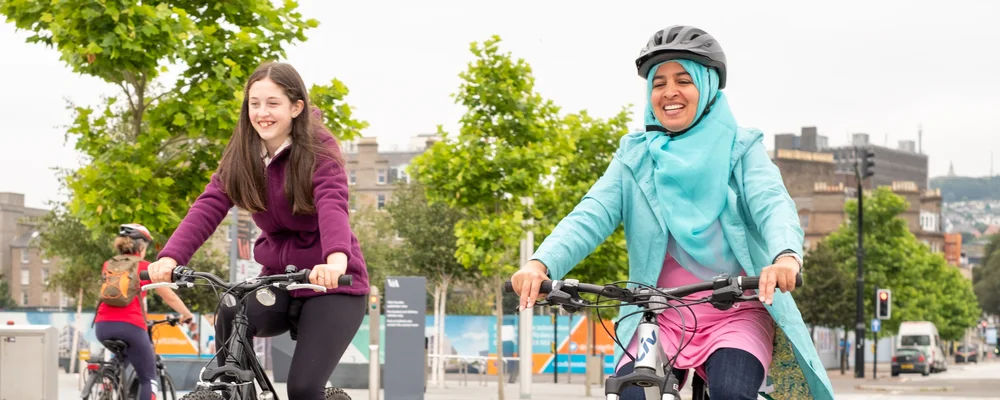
698 197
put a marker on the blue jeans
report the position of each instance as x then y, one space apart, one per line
732 374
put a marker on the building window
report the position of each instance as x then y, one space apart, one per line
24 296
804 221
24 256
45 276
380 203
381 176
46 261
25 276
352 177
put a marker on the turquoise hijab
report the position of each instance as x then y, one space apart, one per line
691 174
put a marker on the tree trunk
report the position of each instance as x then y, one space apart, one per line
843 353
445 281
76 332
498 291
437 339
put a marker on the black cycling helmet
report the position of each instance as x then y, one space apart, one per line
685 42
135 231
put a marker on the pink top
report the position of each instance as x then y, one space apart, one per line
746 326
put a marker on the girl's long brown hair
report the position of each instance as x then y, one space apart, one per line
241 168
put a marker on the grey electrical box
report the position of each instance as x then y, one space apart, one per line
29 362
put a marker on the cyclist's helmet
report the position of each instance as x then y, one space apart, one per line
685 42
135 231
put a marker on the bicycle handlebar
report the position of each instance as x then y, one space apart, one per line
291 280
610 291
725 290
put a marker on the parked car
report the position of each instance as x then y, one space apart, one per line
910 360
967 354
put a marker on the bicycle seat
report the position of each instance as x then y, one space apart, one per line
115 346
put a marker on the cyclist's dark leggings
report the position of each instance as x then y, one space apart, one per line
326 326
732 374
139 353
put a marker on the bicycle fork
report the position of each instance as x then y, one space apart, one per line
649 360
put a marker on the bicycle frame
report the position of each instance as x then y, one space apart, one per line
238 353
648 362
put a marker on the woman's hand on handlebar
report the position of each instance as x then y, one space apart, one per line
162 269
780 275
527 281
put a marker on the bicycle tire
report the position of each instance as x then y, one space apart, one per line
202 395
167 388
332 393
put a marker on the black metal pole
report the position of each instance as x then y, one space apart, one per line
875 346
859 329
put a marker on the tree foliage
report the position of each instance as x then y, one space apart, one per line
157 140
986 277
924 286
495 164
825 299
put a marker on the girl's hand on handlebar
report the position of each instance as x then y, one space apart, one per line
326 275
527 281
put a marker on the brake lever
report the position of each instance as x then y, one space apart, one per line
296 286
172 285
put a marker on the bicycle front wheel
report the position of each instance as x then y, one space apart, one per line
202 395
167 387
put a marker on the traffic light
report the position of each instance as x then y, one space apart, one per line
867 163
883 303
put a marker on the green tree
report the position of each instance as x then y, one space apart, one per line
159 141
376 236
986 277
6 302
494 165
428 233
81 254
924 286
824 298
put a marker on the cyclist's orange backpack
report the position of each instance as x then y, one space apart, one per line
120 281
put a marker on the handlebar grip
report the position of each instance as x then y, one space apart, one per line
345 280
144 275
753 282
545 287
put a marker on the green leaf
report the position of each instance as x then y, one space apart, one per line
179 120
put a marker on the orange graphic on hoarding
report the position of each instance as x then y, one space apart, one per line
171 339
604 344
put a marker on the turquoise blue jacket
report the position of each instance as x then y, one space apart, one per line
760 221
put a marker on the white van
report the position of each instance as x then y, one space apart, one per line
923 335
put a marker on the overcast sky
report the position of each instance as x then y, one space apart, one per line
879 67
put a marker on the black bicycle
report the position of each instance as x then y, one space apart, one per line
652 367
241 365
108 381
